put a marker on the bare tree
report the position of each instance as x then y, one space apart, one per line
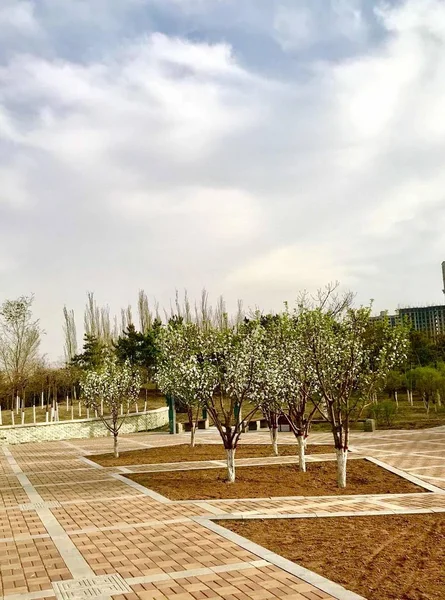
328 300
145 315
70 333
19 342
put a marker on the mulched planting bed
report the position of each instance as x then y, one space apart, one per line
183 453
380 558
364 477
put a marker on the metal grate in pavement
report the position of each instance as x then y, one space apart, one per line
37 505
91 587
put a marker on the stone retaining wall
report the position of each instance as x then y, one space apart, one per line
80 428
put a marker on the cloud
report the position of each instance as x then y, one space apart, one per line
298 265
18 17
300 24
167 160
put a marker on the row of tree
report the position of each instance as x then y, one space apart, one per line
428 382
322 358
301 363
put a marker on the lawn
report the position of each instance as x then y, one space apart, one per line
364 477
388 557
64 415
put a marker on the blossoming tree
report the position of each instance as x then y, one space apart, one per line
182 372
286 384
348 355
265 391
115 386
237 355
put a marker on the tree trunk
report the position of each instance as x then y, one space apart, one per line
274 439
342 456
301 453
193 435
116 449
230 464
396 399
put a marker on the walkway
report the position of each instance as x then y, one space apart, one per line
70 529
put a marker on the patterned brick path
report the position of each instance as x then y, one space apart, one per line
72 530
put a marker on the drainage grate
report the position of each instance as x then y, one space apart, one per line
92 587
37 505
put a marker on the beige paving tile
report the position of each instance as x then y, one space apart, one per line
15 522
147 551
30 566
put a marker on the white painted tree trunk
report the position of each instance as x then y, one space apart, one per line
42 399
301 453
72 412
342 457
274 440
34 413
67 403
193 436
23 417
116 448
12 418
1 418
230 465
396 398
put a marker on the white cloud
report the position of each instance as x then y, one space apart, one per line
172 163
19 17
294 267
299 25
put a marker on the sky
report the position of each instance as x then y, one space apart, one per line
252 147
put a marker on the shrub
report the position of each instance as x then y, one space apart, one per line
383 412
389 410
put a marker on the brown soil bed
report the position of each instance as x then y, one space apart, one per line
380 558
183 453
364 477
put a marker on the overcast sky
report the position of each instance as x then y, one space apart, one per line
252 147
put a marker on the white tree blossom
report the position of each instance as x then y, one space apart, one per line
117 387
237 354
348 355
182 371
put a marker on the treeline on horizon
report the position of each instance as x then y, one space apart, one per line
25 373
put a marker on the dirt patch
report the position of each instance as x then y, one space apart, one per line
183 453
364 477
380 558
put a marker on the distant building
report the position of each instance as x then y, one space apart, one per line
392 319
429 319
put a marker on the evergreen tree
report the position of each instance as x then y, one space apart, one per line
139 349
93 354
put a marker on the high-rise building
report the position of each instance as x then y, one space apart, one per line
429 319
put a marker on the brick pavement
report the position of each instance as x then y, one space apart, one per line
67 526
